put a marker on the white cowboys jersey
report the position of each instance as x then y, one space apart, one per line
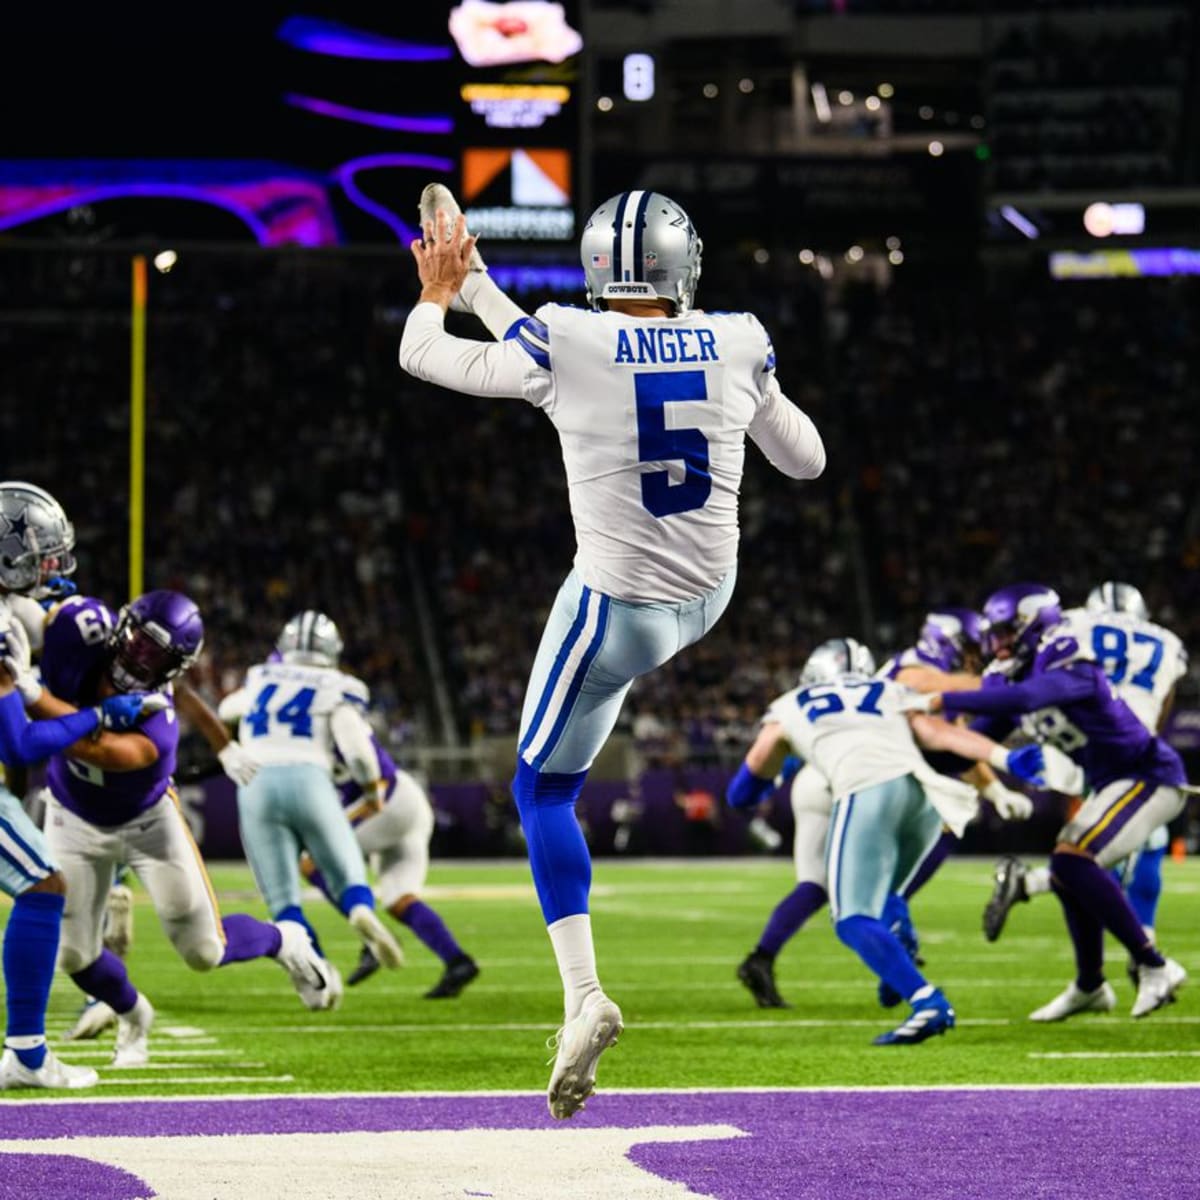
285 711
651 414
856 733
1143 661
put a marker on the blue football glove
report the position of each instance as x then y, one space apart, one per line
55 589
789 770
123 712
1027 763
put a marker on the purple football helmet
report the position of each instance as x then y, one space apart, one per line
952 638
1017 617
158 636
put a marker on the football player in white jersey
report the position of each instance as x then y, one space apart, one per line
947 656
292 715
889 804
1144 662
653 401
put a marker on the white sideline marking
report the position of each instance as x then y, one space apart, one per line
191 1032
82 1050
109 1081
1117 1054
796 1090
168 1065
668 1026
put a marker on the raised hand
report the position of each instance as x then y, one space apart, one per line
443 257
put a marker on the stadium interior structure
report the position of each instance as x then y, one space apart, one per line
969 227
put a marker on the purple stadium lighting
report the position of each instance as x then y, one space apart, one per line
345 174
341 41
279 205
362 116
120 191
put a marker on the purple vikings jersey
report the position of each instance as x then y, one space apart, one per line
73 660
349 791
1067 700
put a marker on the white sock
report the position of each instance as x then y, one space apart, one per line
1037 880
576 956
490 304
26 1041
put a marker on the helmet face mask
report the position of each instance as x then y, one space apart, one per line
1114 596
310 639
641 245
37 541
834 658
1017 617
157 637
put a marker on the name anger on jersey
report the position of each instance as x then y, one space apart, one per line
637 347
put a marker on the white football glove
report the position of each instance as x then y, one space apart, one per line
14 657
237 764
1062 773
1010 805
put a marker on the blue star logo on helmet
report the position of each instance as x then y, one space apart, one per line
17 526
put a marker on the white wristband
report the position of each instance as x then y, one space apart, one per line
998 758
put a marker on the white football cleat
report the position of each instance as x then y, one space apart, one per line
118 920
94 1018
1073 1000
1157 986
133 1035
376 936
311 975
579 1044
51 1074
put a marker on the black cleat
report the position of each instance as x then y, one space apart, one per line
454 978
1010 887
757 972
368 964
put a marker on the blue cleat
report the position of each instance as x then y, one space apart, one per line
931 1015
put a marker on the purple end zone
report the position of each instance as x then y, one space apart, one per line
37 1176
1028 1144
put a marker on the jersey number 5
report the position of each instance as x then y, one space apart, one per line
654 390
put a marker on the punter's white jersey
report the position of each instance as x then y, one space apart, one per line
854 731
651 414
1143 661
285 711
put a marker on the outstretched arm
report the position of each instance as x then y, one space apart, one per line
755 778
482 295
428 351
935 734
787 436
23 741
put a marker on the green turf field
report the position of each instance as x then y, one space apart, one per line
669 937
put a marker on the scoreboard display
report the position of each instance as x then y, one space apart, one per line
326 124
517 73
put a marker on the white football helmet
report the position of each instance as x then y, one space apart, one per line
37 542
1114 596
310 638
641 245
838 656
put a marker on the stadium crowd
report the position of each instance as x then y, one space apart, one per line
1005 428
